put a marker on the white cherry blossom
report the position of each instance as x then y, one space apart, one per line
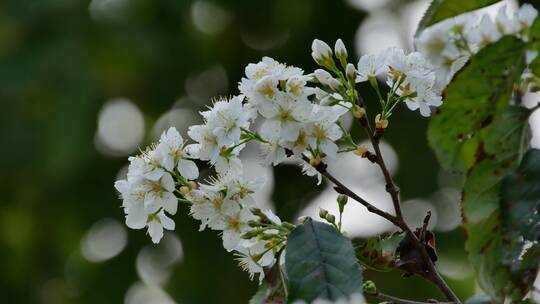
156 223
170 153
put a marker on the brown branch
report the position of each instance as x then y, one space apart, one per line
342 189
393 190
396 300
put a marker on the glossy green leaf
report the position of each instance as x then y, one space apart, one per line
520 195
321 263
443 9
478 93
379 253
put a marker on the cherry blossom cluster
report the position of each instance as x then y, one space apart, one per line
289 114
163 175
449 44
409 77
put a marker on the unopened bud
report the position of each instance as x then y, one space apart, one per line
342 201
323 76
315 161
184 190
251 234
288 226
322 53
359 112
380 124
369 288
340 49
254 224
330 218
341 52
323 213
360 150
258 212
335 84
350 71
267 237
192 185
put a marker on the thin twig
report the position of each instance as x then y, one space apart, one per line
396 300
341 188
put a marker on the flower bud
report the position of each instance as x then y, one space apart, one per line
369 288
320 49
192 185
340 50
350 71
288 226
323 76
251 234
322 53
323 213
258 212
335 84
380 124
358 112
184 190
342 201
254 224
315 161
360 150
331 218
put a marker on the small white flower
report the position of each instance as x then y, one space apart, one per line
170 152
323 131
156 223
226 119
159 194
254 257
525 17
209 204
133 203
503 23
370 66
271 152
207 142
284 117
235 225
483 33
145 166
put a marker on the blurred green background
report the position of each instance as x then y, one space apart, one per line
84 83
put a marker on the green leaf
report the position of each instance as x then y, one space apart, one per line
535 66
443 9
478 93
520 194
321 263
379 253
484 247
498 154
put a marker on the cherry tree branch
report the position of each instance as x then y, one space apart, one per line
393 190
396 300
341 188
